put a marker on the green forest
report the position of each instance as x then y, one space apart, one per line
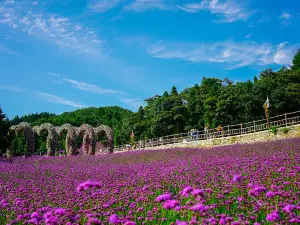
213 101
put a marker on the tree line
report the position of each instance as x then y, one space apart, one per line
213 101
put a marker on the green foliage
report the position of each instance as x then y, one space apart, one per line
19 145
274 130
4 126
213 101
296 61
233 140
285 130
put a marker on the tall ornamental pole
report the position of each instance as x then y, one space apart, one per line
266 107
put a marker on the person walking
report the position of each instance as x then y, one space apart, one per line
219 130
206 130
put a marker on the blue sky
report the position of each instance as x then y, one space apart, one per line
61 55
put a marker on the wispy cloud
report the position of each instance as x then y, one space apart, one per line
284 54
233 54
82 85
285 18
104 5
248 36
43 96
144 5
229 10
7 50
58 100
52 28
134 103
11 88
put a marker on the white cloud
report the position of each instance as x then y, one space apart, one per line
229 10
134 103
284 54
82 85
9 2
89 87
233 54
11 88
285 16
103 5
52 28
144 5
7 50
58 100
248 36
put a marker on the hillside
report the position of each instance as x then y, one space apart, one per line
211 103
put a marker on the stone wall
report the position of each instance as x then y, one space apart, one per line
292 131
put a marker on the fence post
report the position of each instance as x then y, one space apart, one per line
285 120
241 128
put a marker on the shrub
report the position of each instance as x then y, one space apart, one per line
274 130
285 130
233 140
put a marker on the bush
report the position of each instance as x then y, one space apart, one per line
285 130
274 130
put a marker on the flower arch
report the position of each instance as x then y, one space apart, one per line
28 133
109 134
89 139
52 137
70 138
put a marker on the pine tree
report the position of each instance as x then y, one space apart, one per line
174 91
296 61
2 116
3 132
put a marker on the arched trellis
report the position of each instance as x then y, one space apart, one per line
70 138
52 137
109 134
29 137
89 139
88 132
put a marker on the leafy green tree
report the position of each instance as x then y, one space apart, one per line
4 125
213 101
296 61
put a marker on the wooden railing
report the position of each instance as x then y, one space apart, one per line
230 130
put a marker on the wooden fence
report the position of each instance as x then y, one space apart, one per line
230 130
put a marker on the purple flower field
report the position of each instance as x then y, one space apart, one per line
241 184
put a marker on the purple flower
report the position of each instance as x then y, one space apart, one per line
199 207
274 216
34 215
170 204
129 223
88 185
114 219
281 169
270 194
237 178
177 208
60 212
256 191
163 197
295 220
93 221
289 208
197 192
178 222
